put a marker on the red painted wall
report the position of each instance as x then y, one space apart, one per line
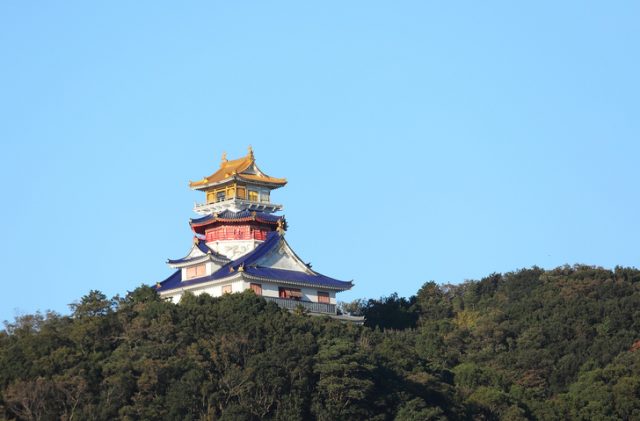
236 232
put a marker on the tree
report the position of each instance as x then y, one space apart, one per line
91 305
344 382
390 312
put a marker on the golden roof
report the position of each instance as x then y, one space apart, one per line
244 169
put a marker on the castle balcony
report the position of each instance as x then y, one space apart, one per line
235 205
291 304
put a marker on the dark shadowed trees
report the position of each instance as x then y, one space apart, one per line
529 344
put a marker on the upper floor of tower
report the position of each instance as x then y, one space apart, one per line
237 185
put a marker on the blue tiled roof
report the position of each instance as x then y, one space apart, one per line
227 214
268 274
171 282
273 239
297 277
202 246
206 218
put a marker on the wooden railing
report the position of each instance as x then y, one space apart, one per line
308 305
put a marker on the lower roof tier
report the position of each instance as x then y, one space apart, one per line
254 266
256 274
259 219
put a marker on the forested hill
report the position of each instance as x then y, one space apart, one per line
531 344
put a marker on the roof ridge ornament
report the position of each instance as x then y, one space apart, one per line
224 159
250 152
280 228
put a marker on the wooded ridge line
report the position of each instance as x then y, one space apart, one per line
531 344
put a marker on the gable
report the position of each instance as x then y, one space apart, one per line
282 257
251 169
195 252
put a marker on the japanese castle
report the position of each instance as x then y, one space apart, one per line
239 244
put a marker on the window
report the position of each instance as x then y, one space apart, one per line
196 271
211 197
226 289
231 192
257 288
253 196
220 196
323 297
290 293
242 193
264 197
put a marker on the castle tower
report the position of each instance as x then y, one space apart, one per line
238 209
239 244
237 185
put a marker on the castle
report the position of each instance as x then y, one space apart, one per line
239 244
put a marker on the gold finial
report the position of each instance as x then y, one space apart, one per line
241 268
250 151
224 158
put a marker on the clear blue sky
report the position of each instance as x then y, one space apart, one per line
421 140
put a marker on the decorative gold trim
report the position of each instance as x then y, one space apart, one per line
280 227
237 167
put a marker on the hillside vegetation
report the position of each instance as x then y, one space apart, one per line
531 344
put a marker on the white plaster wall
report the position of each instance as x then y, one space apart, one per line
268 290
233 249
194 252
311 294
237 286
213 290
308 294
282 258
332 295
212 267
216 290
